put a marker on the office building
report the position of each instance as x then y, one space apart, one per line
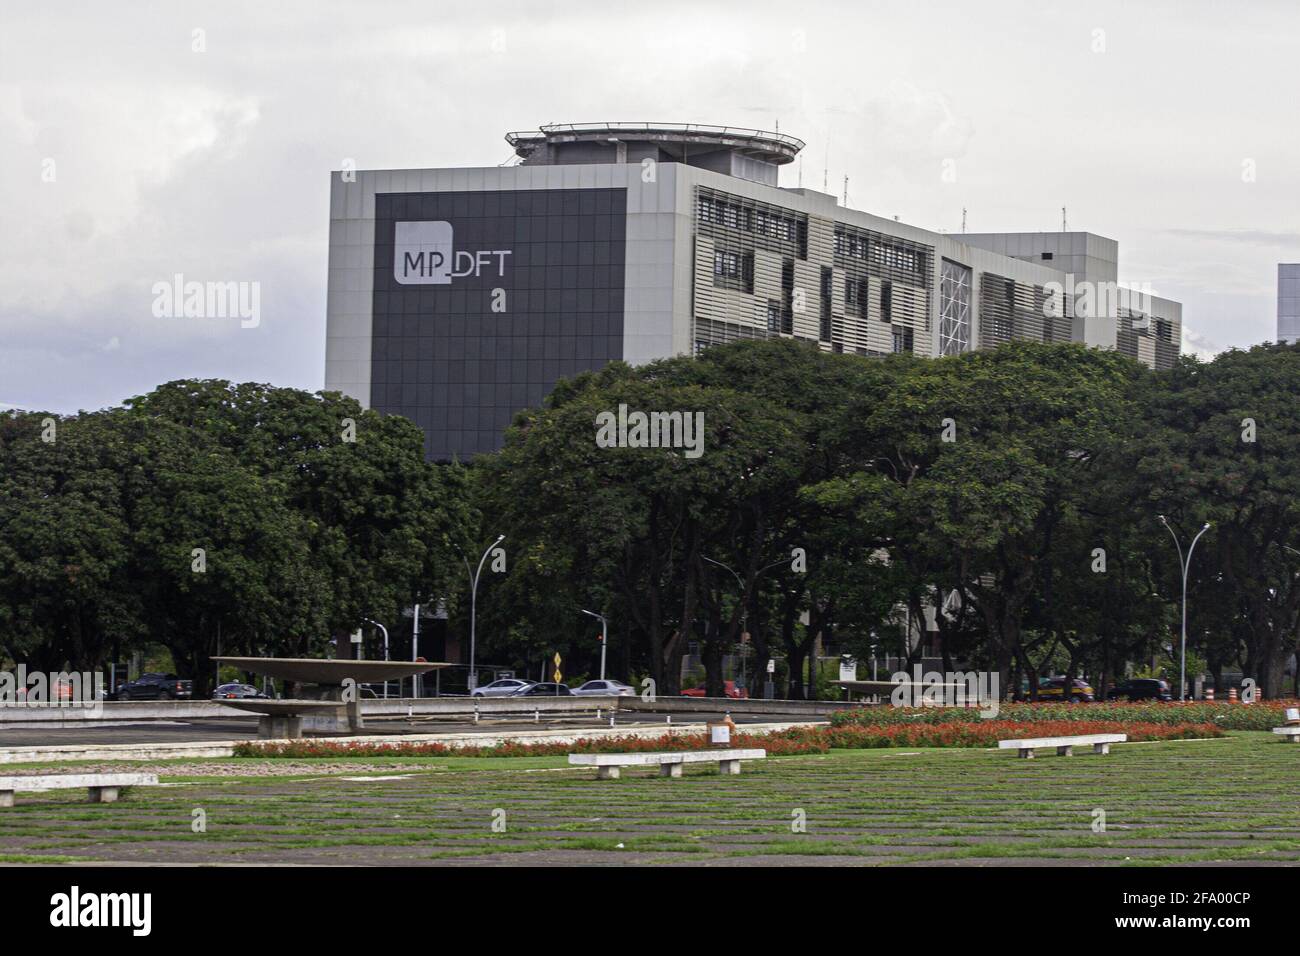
459 296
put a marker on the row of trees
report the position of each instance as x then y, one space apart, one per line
1018 490
206 517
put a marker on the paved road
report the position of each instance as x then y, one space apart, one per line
186 731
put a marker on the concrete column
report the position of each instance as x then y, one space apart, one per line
279 727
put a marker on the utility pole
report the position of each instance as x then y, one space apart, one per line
415 650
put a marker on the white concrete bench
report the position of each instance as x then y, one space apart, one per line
1064 745
1290 733
103 787
669 764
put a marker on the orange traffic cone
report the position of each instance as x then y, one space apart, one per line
1209 693
1232 695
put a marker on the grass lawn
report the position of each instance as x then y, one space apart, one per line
1228 800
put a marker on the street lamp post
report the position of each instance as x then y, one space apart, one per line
1184 563
604 637
473 603
384 630
744 603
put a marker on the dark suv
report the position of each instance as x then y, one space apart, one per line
1142 688
154 687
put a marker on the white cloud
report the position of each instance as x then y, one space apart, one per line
1194 343
215 165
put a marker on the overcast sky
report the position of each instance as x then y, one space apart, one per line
126 156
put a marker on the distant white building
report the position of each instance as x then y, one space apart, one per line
1288 301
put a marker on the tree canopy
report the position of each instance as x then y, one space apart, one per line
998 508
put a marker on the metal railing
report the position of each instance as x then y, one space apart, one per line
704 129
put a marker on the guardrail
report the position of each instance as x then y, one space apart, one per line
717 705
111 710
13 715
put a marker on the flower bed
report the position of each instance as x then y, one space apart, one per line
797 740
1262 715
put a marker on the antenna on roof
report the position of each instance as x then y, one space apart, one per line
1063 229
846 190
963 218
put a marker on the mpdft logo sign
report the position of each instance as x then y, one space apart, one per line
424 253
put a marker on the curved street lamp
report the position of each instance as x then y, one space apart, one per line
385 632
473 602
604 636
744 603
1184 563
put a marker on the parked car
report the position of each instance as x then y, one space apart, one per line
544 690
237 691
1141 688
1053 689
505 687
155 687
604 688
728 686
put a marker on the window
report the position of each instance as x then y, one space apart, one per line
856 293
775 317
1048 256
886 302
902 339
828 284
733 270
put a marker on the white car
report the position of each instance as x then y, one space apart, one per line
604 688
502 688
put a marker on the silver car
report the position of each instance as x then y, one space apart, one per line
502 688
604 688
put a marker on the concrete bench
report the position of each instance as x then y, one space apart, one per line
1290 733
1064 745
669 764
103 787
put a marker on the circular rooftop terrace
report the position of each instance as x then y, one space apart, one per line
675 139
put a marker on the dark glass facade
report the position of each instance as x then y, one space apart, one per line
484 300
